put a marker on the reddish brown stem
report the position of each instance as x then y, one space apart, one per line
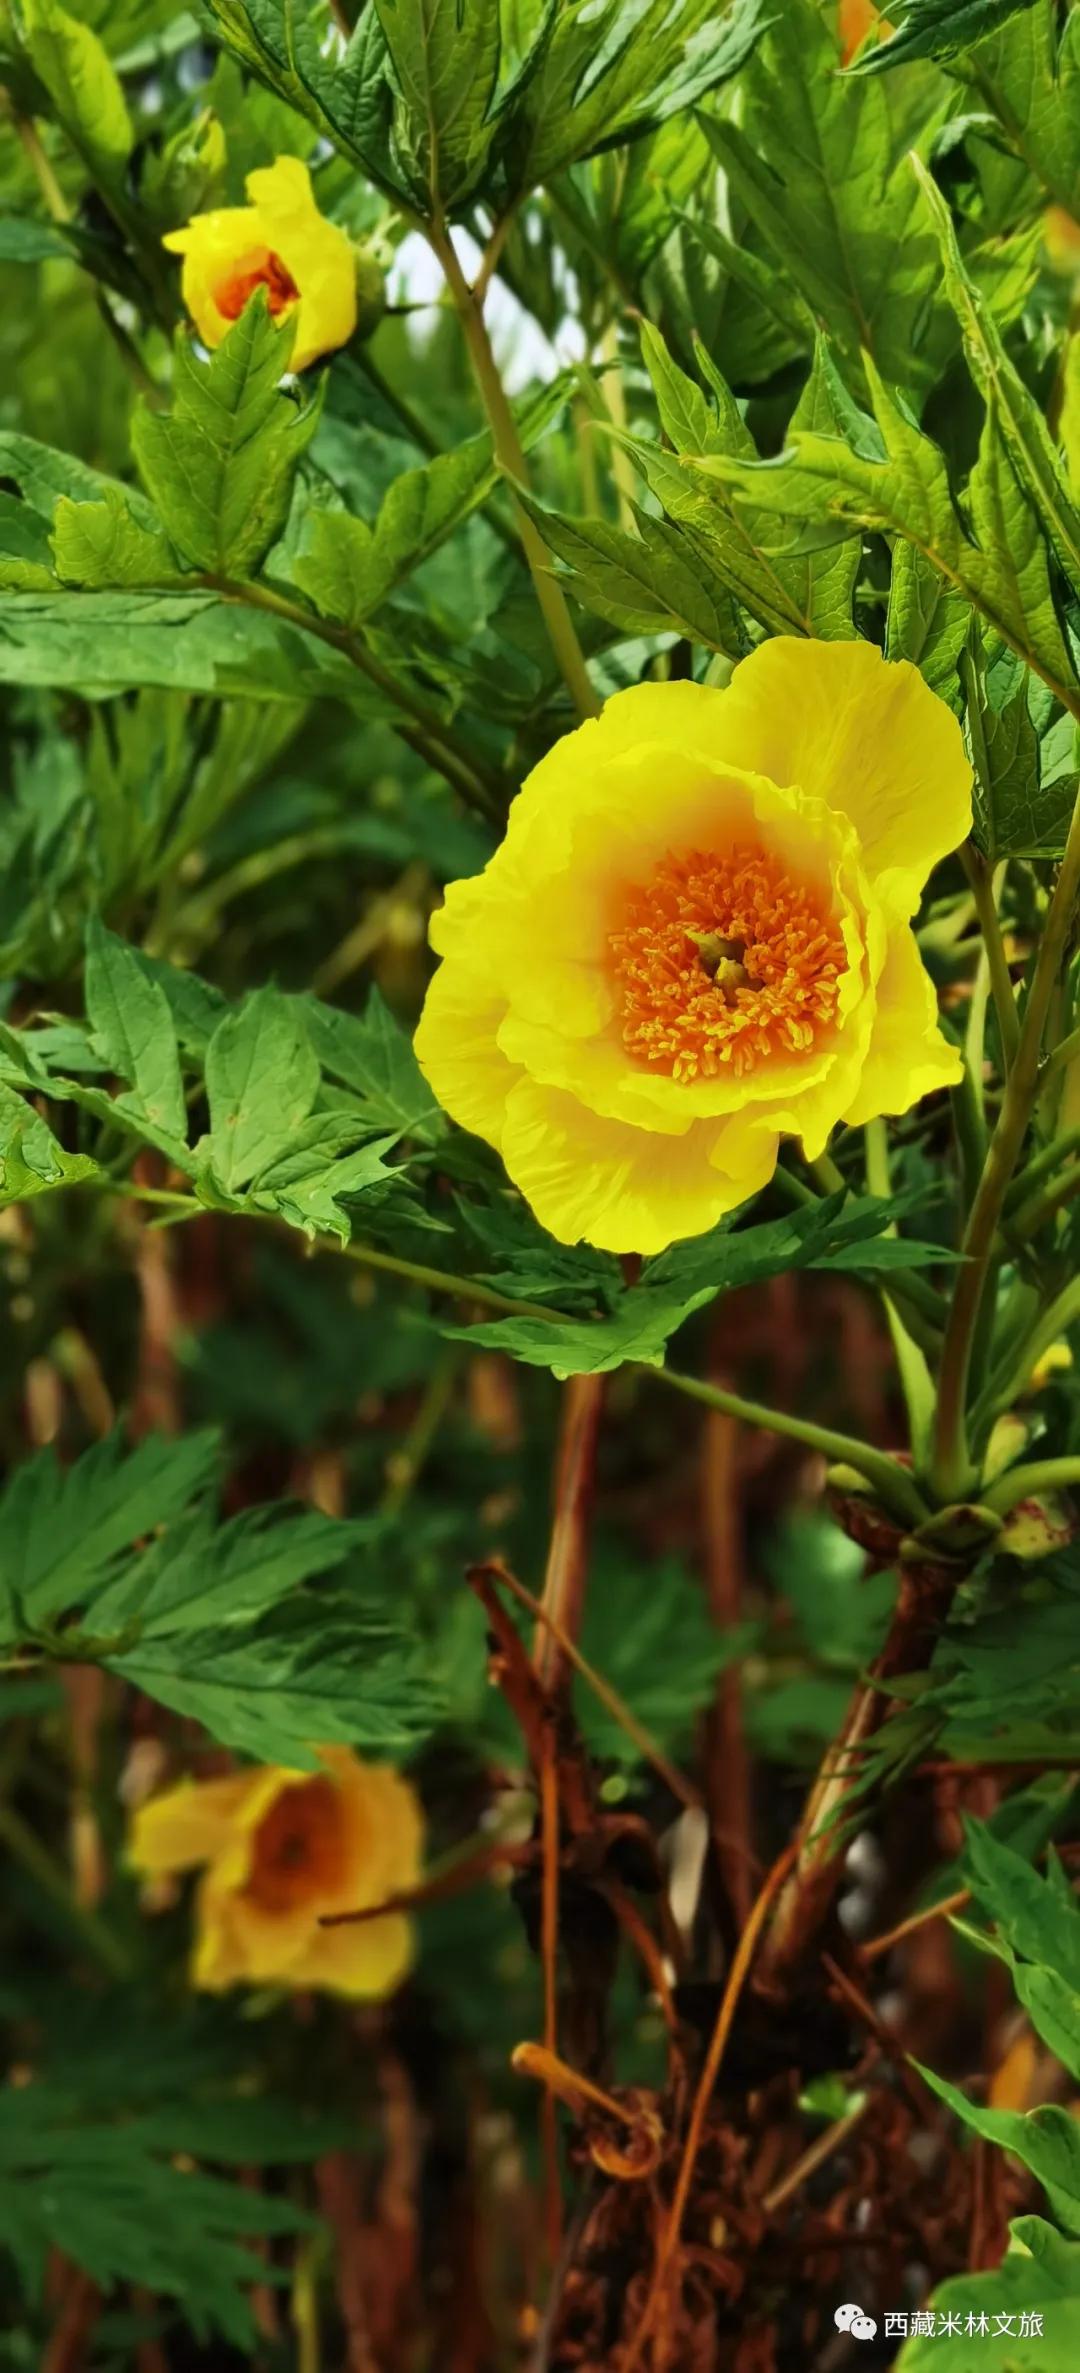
925 1596
564 1580
727 1767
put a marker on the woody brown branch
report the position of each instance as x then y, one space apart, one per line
925 1596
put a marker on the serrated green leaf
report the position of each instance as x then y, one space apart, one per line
349 569
261 1081
83 90
1022 2316
1045 2140
1023 428
936 29
97 544
1040 1934
62 1531
219 465
372 1055
835 1234
926 622
32 1161
821 167
134 1032
114 2199
305 1676
885 473
293 46
444 56
806 590
605 74
646 583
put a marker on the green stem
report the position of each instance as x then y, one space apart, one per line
1032 1216
915 1378
27 1849
985 887
1066 1051
954 1474
1043 1166
509 453
428 733
894 1486
1008 1382
1025 1483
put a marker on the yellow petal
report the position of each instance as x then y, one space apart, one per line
868 737
190 1824
284 220
366 1959
456 1046
621 1188
908 1055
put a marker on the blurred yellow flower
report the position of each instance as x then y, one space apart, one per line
278 1849
855 19
279 242
695 939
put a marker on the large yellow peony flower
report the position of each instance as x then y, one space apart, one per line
280 1848
281 243
695 939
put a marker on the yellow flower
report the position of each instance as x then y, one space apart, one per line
855 19
280 1848
281 243
695 939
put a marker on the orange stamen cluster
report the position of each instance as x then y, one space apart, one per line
299 1848
261 268
725 960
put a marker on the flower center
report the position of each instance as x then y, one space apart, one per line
299 1848
260 268
725 960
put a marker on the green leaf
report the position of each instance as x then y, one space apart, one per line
103 543
82 89
1024 758
1039 1929
836 1234
1022 2316
885 473
31 1160
261 1081
608 73
1045 2140
25 240
1022 425
118 1560
308 1675
349 569
649 583
117 2202
799 591
935 29
820 164
926 622
372 1055
64 1530
133 1030
219 465
307 1190
294 48
1029 77
444 56
102 643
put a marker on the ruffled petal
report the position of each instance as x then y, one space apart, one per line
189 1824
620 1188
866 735
908 1056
